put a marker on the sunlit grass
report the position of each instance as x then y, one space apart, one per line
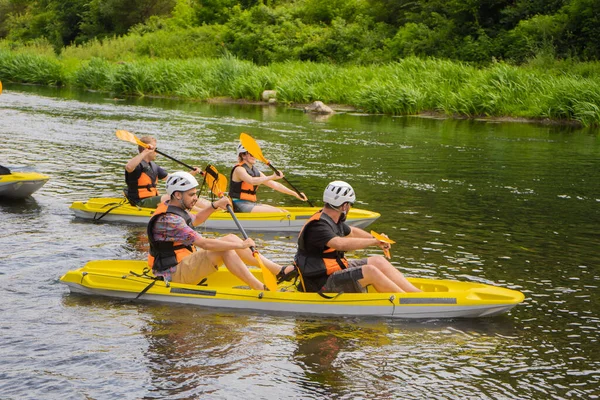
410 86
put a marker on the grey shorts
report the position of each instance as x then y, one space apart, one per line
243 206
346 280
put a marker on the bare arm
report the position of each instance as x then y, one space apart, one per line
222 245
206 212
135 161
359 233
240 174
280 188
351 243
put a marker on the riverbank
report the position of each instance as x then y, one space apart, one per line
344 108
565 93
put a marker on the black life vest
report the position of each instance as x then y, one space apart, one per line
316 267
164 255
242 190
142 182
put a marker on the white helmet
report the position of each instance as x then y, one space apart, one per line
338 193
241 149
180 181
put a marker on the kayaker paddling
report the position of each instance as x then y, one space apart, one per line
173 254
142 175
322 243
244 182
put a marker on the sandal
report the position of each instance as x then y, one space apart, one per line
283 277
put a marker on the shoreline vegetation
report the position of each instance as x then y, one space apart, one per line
564 92
505 60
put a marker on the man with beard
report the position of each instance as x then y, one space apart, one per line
322 243
173 241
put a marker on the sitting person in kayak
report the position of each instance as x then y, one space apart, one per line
244 181
142 175
173 254
322 243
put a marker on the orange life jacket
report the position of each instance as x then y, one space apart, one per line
316 267
164 255
142 183
242 190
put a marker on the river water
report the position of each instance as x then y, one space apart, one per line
513 204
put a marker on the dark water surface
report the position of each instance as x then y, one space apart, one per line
506 203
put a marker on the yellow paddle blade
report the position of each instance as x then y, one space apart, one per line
253 148
383 238
268 278
0 87
216 182
130 137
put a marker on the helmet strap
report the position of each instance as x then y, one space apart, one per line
338 209
181 204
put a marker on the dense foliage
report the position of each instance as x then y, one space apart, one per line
332 31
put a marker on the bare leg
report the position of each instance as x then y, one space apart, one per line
266 208
235 265
381 283
392 273
248 258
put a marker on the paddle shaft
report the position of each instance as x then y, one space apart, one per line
176 160
239 225
131 138
288 182
271 282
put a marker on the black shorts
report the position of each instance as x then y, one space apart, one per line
347 279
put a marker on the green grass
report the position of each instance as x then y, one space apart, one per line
563 91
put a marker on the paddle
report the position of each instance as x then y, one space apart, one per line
383 238
0 87
130 137
218 184
253 148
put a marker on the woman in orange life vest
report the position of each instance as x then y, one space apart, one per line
173 254
142 175
322 243
246 178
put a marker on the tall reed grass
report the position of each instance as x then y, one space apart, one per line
30 68
410 86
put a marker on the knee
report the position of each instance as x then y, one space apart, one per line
232 238
370 272
378 261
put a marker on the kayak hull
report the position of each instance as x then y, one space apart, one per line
440 299
18 185
117 210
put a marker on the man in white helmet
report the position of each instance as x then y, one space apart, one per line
322 243
173 254
244 182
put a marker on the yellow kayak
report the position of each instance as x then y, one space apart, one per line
119 210
440 298
18 185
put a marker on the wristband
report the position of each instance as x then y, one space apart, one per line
213 205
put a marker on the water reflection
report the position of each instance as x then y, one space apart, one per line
190 351
385 358
19 206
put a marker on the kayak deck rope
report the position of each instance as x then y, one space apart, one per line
114 206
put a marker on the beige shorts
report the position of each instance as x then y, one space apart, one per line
193 268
